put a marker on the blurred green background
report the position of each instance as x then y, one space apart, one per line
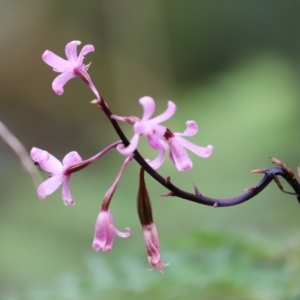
234 67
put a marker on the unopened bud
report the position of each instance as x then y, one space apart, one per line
143 202
152 246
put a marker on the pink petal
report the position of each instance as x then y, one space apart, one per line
85 50
191 129
59 82
38 154
153 252
131 147
71 159
144 128
156 143
71 52
104 232
57 63
159 130
66 192
148 105
171 156
140 127
49 186
170 111
200 151
179 155
123 234
51 164
158 161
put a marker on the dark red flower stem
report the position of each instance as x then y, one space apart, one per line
269 176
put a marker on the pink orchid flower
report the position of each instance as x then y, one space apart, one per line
60 173
150 128
177 144
105 231
70 68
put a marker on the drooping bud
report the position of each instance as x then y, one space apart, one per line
148 227
105 231
105 227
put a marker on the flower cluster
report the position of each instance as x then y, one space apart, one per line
159 137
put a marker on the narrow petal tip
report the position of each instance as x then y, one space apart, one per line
58 91
42 195
45 54
209 150
75 42
172 107
123 234
35 153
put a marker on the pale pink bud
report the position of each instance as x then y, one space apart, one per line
152 246
105 232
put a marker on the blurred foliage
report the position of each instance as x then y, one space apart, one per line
233 67
247 268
